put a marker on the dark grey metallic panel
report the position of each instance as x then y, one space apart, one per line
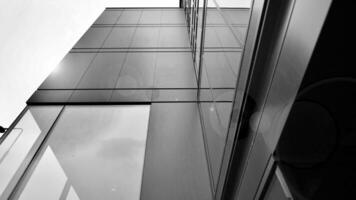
174 95
129 16
131 96
146 37
215 133
103 71
219 71
120 37
173 37
138 71
50 96
90 96
175 70
108 17
93 38
150 17
172 17
69 71
175 164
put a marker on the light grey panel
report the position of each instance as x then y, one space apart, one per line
103 71
93 38
175 164
175 70
150 17
138 71
68 72
146 37
120 37
174 37
108 17
129 17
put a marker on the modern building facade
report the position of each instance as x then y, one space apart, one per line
198 102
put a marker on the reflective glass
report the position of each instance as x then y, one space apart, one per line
94 152
20 145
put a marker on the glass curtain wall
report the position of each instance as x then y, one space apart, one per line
220 30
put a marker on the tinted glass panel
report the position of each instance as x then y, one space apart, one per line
67 74
94 152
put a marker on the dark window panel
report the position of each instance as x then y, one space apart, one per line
175 163
120 37
93 38
175 70
69 71
103 71
108 17
138 71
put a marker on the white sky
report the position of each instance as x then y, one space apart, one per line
36 34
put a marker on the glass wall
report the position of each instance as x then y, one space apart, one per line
18 147
91 152
222 37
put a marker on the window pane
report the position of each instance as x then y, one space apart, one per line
94 152
19 146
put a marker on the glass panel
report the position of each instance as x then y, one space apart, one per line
94 152
174 37
172 17
93 38
175 70
108 17
67 74
150 16
21 143
138 71
103 71
226 26
146 37
120 37
129 16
